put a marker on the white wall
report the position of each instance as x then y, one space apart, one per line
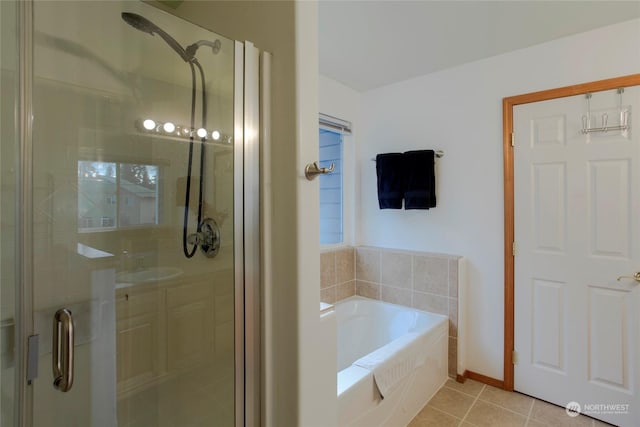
338 100
317 373
459 111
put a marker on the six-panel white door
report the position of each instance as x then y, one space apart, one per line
577 229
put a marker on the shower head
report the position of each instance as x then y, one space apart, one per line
143 24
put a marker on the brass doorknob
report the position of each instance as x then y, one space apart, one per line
635 277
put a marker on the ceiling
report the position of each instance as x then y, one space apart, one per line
368 44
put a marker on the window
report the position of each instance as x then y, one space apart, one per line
112 195
331 212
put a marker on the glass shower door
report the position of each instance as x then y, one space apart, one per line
8 219
133 230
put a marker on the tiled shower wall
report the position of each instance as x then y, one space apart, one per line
337 275
421 280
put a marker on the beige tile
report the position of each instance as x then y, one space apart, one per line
328 295
395 269
395 295
453 357
453 317
598 423
431 275
489 415
345 265
470 387
345 290
431 417
327 269
556 416
368 290
368 265
534 423
431 302
453 278
513 401
452 402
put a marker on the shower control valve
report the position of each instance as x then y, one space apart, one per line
208 238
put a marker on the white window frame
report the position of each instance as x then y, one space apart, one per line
343 127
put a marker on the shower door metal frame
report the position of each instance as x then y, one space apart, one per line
24 213
250 334
238 230
246 192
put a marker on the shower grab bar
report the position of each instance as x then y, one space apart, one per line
63 334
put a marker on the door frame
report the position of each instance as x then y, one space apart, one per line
509 214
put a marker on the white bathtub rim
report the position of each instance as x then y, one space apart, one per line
404 307
352 374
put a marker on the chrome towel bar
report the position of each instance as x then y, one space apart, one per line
438 153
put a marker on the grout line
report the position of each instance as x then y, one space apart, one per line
439 410
463 392
505 408
335 267
473 404
533 401
436 295
412 280
442 410
448 279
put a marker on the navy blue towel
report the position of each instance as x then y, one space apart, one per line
420 187
390 170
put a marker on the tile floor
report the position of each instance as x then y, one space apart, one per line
477 404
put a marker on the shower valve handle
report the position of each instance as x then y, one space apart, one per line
208 238
195 239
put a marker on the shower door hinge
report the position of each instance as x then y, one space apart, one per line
33 344
513 139
513 248
514 357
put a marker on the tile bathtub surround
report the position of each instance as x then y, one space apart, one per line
421 280
337 274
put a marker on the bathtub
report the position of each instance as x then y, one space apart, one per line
370 328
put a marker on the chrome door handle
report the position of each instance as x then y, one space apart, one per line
636 277
63 350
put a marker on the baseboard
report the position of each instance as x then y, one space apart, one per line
481 378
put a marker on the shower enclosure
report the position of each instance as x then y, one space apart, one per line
127 241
